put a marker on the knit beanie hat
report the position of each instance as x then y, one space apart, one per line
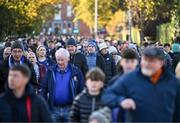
71 41
101 116
176 48
92 44
17 44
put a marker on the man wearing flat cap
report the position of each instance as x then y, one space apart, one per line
151 93
16 57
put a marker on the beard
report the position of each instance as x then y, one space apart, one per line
147 72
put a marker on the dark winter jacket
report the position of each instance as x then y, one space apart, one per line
48 85
100 62
47 63
110 66
4 70
83 105
154 102
13 109
79 60
176 59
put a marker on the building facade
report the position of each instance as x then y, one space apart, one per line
63 21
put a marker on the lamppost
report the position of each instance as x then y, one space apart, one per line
130 22
96 19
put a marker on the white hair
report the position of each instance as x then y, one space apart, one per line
62 52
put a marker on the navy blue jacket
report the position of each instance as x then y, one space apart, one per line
154 102
48 85
13 109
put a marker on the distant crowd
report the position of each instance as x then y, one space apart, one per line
68 79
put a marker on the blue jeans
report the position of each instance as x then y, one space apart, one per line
61 114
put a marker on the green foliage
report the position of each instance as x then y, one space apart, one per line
165 33
20 17
84 10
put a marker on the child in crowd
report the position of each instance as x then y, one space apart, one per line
88 101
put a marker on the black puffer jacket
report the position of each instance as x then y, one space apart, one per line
79 60
110 66
100 62
83 105
13 109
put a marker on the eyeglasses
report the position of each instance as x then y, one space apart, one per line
113 54
7 54
17 51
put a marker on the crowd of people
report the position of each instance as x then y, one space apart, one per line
58 79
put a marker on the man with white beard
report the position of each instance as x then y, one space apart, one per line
150 93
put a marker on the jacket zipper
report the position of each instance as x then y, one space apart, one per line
93 104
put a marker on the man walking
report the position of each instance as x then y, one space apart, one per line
20 103
150 93
61 84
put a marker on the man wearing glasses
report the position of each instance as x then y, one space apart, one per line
16 57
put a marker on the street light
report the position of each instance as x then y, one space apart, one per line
130 22
96 19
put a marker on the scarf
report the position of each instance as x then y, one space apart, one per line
11 61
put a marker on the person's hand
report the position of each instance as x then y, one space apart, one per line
128 104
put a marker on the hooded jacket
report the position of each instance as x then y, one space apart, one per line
14 109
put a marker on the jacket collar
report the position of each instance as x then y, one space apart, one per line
11 61
85 91
28 92
65 71
164 74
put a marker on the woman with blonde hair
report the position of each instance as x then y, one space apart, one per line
42 57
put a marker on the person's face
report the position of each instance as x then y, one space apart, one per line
119 47
34 42
91 49
150 66
94 86
17 54
94 121
167 49
51 45
129 65
85 48
104 51
113 54
42 52
16 80
32 58
62 62
7 52
30 50
31 42
125 46
71 49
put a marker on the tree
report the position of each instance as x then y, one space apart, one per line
145 11
176 17
19 17
84 10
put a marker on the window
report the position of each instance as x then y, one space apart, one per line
57 15
69 11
